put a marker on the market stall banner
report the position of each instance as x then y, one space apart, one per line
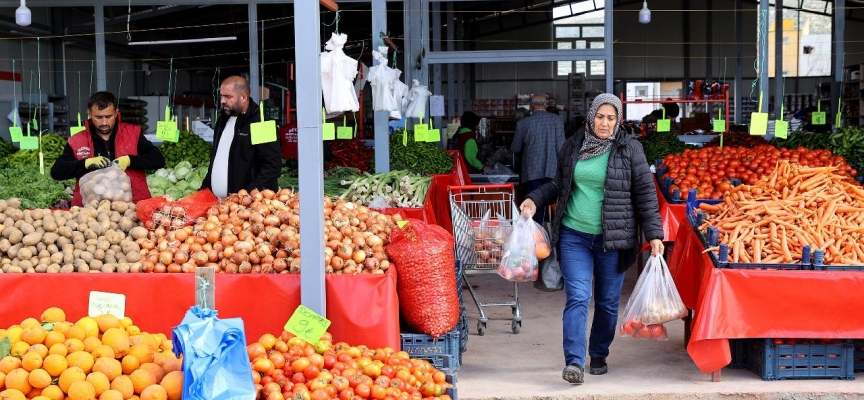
364 308
742 303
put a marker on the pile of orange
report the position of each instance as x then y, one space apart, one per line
104 357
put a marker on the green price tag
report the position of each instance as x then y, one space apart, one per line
759 120
328 129
839 122
781 129
41 163
405 137
664 125
344 131
307 325
819 118
264 131
401 224
166 131
29 143
434 135
421 133
719 125
16 133
77 129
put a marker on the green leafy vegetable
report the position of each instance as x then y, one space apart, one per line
34 189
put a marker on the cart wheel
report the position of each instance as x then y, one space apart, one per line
517 326
481 328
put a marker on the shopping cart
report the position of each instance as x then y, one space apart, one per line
479 240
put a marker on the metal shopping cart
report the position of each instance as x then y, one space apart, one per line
479 240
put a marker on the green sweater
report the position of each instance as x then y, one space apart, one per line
585 207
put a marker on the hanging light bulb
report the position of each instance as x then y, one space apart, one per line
22 15
644 13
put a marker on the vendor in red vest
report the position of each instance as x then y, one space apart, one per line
465 140
107 140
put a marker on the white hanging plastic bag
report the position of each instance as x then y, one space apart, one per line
337 76
654 302
109 183
528 243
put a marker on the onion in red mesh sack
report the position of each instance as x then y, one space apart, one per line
425 266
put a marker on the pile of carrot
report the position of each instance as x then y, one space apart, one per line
795 206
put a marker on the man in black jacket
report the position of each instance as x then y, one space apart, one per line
235 163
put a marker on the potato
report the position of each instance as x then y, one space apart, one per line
116 217
37 224
63 241
138 232
82 218
14 203
3 205
133 256
95 264
128 245
15 236
126 224
24 253
49 224
41 268
92 242
25 264
53 269
41 246
72 225
99 254
110 258
13 251
28 216
60 221
116 248
57 258
65 231
52 248
50 237
76 254
113 237
78 237
30 270
68 248
5 245
80 245
104 245
37 213
123 268
67 268
86 256
109 268
32 238
91 248
91 234
15 270
44 254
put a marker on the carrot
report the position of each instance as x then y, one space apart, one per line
784 246
757 250
848 210
709 207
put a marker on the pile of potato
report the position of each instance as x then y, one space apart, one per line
100 237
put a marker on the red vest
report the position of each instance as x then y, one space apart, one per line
460 145
125 144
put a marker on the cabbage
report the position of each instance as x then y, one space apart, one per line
181 185
158 182
177 194
196 183
163 172
171 177
181 172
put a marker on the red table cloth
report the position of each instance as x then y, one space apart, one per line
671 214
364 309
740 303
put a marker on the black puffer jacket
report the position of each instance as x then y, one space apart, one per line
630 197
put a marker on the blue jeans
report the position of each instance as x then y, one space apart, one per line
583 260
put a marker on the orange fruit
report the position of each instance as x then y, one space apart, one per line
82 390
14 333
111 394
542 250
90 326
108 366
62 327
99 381
40 349
142 352
59 349
39 378
73 345
18 379
172 364
9 363
29 322
173 384
91 343
166 345
107 321
54 337
53 314
69 376
53 392
130 363
118 340
55 364
133 330
125 322
34 334
2 379
20 348
12 394
154 369
41 397
123 384
103 351
142 378
81 359
154 392
76 332
31 361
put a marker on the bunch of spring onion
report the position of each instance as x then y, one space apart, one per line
395 189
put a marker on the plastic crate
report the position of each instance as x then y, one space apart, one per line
462 327
676 197
801 361
858 355
818 265
739 349
443 352
451 379
445 363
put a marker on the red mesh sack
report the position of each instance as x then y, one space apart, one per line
425 267
197 204
144 209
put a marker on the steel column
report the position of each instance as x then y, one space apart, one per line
254 65
839 27
762 27
311 154
382 118
435 77
739 69
607 47
778 59
101 79
709 39
511 56
451 68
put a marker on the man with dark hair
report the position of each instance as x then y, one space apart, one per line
538 138
236 163
105 139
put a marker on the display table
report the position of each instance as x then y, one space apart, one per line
738 303
364 309
671 214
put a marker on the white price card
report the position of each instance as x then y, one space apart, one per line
106 303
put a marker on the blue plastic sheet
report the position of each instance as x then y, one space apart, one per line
215 363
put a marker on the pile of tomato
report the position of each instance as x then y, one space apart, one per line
288 367
710 170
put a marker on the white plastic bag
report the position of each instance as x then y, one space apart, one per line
527 245
654 302
109 183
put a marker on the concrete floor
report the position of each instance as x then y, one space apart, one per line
502 365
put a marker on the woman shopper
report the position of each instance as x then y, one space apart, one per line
604 190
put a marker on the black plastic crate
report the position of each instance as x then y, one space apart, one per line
739 349
423 346
819 265
858 355
801 361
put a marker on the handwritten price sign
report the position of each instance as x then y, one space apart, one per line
307 324
106 303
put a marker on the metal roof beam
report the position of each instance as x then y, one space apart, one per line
506 56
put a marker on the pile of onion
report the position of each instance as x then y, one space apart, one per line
258 232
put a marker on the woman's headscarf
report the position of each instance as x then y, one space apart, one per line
593 145
470 120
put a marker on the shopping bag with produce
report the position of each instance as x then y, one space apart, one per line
527 245
550 278
654 302
109 183
426 270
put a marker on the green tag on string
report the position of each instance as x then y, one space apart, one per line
421 131
307 324
15 133
167 130
759 120
781 127
664 125
263 131
401 224
719 123
434 135
76 129
29 142
405 137
35 124
328 129
344 131
819 115
839 121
